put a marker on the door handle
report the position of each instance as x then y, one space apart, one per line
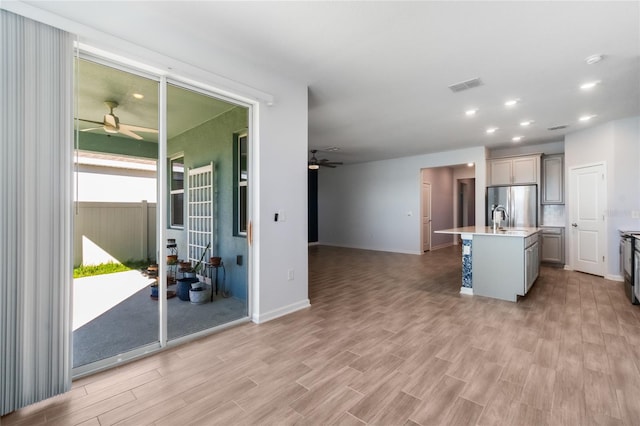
575 225
250 233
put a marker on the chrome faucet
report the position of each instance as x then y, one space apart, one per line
499 213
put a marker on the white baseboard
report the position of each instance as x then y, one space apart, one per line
466 290
388 250
568 268
314 243
277 313
618 278
441 246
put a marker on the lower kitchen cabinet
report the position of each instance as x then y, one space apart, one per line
552 245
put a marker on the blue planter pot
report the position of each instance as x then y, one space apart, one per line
183 287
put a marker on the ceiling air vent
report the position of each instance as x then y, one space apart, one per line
465 85
558 127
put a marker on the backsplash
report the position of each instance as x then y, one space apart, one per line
553 215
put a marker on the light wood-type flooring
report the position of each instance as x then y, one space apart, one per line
388 340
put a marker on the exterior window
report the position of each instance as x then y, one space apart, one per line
176 216
240 171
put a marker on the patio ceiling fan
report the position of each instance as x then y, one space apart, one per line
111 124
314 163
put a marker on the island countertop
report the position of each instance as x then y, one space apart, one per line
521 232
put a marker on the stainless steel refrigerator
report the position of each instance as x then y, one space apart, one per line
520 203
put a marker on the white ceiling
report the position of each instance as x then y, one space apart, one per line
378 72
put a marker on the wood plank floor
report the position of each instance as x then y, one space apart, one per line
388 340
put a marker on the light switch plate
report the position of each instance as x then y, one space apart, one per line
466 250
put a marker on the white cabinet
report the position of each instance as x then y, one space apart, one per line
553 245
514 170
553 179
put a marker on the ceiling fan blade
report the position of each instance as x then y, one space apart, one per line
137 128
125 131
91 128
327 165
91 121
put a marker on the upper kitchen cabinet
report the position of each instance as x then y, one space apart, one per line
553 179
514 170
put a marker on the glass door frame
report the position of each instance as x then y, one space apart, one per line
164 79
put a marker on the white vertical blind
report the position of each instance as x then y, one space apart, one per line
36 147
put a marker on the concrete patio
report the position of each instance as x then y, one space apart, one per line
114 313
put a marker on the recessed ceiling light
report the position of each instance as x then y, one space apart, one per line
331 149
593 59
511 102
586 117
471 112
469 164
590 85
138 95
516 138
492 130
526 123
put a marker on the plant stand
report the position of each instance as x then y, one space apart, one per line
213 274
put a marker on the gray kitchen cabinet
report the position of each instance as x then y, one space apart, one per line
552 245
553 179
513 170
504 267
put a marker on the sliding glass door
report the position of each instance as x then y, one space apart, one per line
160 256
210 278
115 216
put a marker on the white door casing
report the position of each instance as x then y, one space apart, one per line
587 192
426 216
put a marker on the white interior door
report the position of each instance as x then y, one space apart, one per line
587 194
426 216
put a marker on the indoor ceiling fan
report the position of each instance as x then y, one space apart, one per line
315 164
111 124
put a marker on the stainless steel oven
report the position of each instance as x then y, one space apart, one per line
627 246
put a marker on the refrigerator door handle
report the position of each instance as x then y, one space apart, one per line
512 211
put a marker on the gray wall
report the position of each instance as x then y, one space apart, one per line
213 141
376 205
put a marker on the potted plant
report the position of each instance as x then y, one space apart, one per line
189 276
198 265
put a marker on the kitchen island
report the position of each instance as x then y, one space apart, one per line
502 264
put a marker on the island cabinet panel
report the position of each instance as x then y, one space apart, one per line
499 267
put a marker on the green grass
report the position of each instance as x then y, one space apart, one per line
108 268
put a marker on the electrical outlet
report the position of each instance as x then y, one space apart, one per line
290 275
